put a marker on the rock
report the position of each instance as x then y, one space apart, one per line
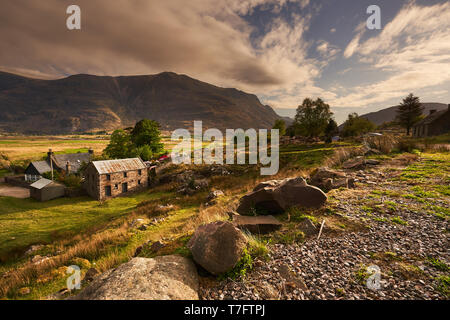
273 197
33 249
257 225
371 151
292 280
213 195
24 291
356 163
372 162
156 246
308 228
232 214
161 278
328 179
90 274
217 246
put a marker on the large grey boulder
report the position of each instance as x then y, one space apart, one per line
276 196
161 278
217 246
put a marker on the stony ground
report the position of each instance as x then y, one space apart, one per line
403 210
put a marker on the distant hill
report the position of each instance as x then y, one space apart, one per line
83 103
389 114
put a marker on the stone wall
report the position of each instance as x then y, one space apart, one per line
96 184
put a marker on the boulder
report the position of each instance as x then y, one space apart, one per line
161 278
275 196
328 179
356 163
217 246
257 225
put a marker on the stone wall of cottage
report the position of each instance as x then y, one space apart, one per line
96 184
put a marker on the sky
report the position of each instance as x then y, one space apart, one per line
281 50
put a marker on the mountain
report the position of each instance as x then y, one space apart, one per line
83 102
389 114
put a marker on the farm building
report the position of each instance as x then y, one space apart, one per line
70 162
435 124
44 190
111 178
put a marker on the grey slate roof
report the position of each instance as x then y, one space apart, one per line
120 165
75 160
42 166
42 183
431 118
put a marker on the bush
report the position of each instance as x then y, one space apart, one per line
407 145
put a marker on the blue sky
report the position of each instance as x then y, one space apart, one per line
281 50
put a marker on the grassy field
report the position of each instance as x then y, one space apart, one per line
36 147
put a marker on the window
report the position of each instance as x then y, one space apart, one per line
139 182
125 175
116 186
108 191
108 177
140 172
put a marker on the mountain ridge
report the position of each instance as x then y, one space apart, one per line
83 102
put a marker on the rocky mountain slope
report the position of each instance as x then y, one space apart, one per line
82 103
389 114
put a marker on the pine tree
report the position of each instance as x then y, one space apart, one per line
409 112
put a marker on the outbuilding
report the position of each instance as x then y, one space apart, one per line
45 190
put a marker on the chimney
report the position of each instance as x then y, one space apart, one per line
432 111
91 152
68 167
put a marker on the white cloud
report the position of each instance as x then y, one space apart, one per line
413 50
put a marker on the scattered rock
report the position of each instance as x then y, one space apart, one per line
257 225
308 228
33 249
156 246
275 196
372 162
90 274
217 246
328 179
213 195
356 163
371 152
161 278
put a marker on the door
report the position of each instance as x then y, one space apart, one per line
108 191
124 187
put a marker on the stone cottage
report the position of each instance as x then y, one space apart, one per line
111 178
435 124
69 163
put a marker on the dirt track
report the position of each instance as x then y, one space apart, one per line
12 191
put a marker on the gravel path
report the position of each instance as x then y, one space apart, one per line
336 267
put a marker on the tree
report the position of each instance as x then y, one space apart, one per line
355 126
120 145
312 117
331 130
146 133
280 125
409 112
143 140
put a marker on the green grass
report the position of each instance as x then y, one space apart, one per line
398 220
305 156
438 264
26 221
